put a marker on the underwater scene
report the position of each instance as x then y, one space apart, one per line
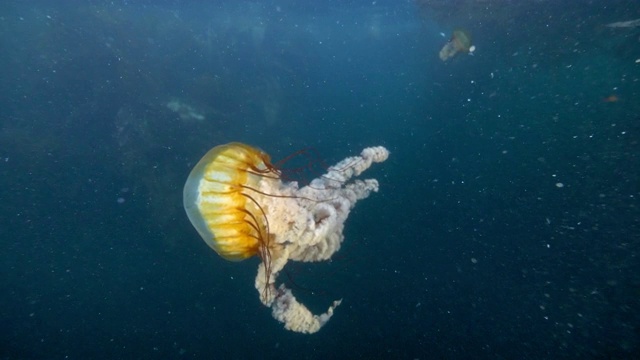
379 179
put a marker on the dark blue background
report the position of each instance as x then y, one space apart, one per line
469 250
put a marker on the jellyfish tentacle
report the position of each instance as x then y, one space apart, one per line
315 241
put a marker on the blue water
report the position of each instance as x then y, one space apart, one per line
507 225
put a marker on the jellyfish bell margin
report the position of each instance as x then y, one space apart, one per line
239 205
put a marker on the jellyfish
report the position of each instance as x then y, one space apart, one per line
460 41
241 207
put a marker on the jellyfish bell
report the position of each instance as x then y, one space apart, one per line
238 203
218 204
460 42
